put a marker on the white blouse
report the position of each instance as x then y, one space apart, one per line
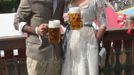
93 10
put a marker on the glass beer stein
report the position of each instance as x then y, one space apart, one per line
54 31
75 18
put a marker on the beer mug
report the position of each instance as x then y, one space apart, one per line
54 31
75 18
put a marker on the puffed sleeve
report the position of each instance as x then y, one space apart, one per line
22 15
100 13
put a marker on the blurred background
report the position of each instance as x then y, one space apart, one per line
8 6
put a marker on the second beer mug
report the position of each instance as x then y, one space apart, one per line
75 18
54 31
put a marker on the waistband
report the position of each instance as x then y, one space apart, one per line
88 25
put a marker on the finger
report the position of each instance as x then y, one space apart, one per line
47 34
45 25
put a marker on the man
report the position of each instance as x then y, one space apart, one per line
32 17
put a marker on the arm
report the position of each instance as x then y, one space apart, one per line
100 33
22 19
100 14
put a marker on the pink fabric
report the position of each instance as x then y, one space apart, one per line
115 20
121 19
112 19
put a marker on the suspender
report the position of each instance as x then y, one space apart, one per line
54 5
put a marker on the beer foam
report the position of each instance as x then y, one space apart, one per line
74 10
54 24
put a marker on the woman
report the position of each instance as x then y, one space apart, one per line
81 57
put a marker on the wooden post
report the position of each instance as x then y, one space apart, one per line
133 56
3 66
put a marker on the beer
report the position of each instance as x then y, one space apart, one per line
54 31
75 18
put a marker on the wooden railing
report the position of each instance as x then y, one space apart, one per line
119 61
12 56
120 52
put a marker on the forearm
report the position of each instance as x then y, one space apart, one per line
28 29
100 33
22 17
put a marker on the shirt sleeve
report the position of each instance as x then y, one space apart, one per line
100 13
22 15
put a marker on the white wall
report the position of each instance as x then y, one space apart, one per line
6 25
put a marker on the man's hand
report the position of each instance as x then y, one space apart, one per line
42 29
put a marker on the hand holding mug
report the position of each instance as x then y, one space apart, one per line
42 29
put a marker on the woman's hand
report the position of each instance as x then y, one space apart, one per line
100 33
66 17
